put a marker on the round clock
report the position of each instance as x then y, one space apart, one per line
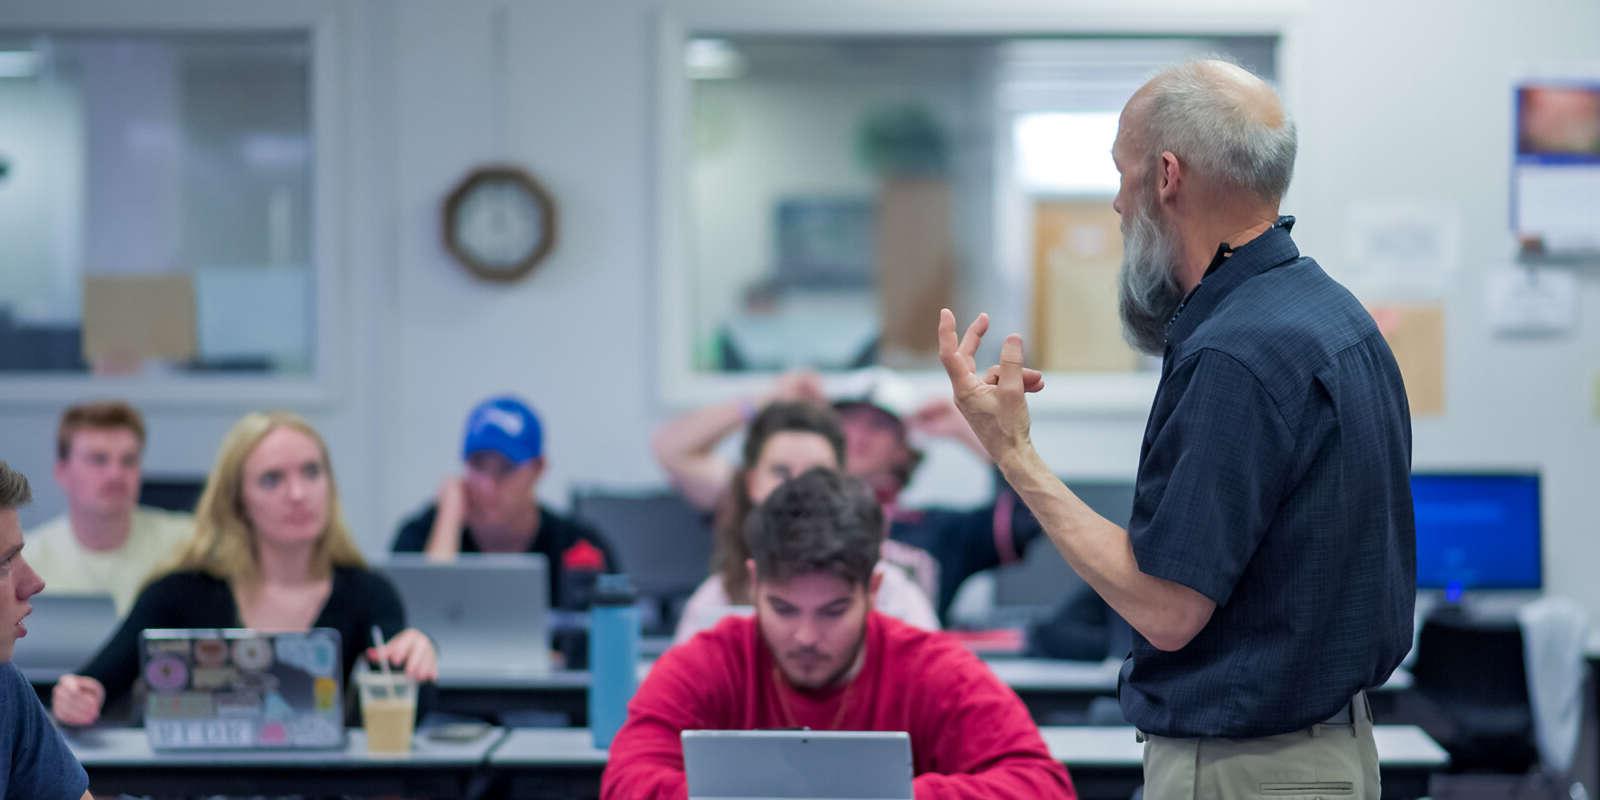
499 223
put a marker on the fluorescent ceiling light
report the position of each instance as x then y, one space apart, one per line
18 63
712 59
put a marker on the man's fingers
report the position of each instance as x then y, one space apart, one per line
974 337
958 368
1011 364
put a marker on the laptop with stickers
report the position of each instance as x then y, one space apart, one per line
234 688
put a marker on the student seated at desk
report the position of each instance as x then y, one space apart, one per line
105 542
493 507
942 546
816 655
270 552
785 439
34 760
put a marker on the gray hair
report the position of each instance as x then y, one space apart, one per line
14 491
1194 116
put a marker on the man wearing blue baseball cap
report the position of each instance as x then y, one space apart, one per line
492 505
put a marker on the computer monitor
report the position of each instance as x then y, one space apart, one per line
1477 531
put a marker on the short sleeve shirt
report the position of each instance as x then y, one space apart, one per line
1274 478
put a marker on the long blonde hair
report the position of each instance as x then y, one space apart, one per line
223 544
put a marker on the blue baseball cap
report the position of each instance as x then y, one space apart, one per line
504 425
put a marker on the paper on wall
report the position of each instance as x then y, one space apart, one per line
1400 251
1526 301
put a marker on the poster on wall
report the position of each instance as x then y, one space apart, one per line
1555 173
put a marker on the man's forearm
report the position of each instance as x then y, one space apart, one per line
1166 613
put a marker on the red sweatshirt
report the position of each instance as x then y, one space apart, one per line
971 737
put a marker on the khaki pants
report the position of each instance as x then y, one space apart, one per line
1335 761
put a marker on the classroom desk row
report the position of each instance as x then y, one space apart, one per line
1105 762
1055 692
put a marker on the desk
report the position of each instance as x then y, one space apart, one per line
119 760
1105 762
547 763
1055 692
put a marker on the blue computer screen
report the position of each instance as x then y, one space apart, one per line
1477 531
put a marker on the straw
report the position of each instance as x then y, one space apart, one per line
383 661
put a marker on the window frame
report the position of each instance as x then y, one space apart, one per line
681 385
323 24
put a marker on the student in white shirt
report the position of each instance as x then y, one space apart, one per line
104 542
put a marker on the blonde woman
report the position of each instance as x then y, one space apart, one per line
270 552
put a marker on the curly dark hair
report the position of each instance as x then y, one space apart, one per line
729 551
821 521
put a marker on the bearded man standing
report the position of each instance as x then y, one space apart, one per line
1268 569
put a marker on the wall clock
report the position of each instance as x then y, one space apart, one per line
499 223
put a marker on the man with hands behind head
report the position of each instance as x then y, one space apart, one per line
1268 569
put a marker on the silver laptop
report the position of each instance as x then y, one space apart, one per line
798 765
64 632
488 613
234 688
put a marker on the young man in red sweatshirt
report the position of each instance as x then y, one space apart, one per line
815 655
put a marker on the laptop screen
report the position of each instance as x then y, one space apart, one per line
236 688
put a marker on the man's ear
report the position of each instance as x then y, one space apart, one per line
875 583
538 463
1170 177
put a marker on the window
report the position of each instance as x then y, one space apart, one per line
157 175
829 192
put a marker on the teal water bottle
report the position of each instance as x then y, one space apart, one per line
613 656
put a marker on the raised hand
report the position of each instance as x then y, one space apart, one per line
994 404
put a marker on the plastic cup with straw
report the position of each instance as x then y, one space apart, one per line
389 724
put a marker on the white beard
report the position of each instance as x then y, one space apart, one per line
1148 290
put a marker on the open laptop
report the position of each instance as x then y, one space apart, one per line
798 765
64 632
233 688
488 613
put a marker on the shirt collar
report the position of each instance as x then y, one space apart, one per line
1229 268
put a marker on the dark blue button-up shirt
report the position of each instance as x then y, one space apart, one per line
1274 480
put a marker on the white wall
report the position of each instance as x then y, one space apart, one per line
1393 101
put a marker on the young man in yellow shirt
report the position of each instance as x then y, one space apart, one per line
104 542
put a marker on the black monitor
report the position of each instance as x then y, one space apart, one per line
1477 531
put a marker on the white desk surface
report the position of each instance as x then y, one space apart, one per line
120 747
553 747
1021 674
1398 745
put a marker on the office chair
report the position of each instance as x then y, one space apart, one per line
1471 671
664 544
171 492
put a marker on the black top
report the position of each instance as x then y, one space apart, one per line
1274 480
193 599
965 542
568 545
